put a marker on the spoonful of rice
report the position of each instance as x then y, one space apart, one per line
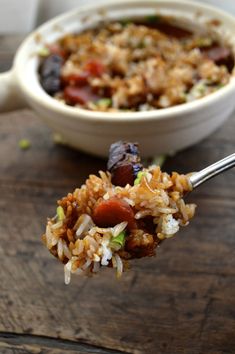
124 213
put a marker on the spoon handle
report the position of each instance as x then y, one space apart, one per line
211 171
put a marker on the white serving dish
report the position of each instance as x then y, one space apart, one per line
158 131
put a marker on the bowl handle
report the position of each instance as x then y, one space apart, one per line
11 97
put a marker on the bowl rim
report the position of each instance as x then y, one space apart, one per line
94 116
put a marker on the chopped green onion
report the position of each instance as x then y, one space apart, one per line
141 45
153 18
140 174
60 213
43 52
201 89
204 42
104 102
159 160
125 22
24 144
118 241
183 96
137 181
220 86
58 139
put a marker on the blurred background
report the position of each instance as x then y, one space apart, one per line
21 16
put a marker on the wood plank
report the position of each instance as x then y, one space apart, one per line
182 301
158 305
25 344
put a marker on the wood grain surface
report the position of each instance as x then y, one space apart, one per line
182 301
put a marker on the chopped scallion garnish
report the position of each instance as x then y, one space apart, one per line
159 160
125 22
153 18
24 144
204 42
140 174
60 213
104 102
118 241
141 45
43 52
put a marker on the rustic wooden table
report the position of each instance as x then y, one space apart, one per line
182 301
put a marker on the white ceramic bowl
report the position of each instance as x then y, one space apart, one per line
158 131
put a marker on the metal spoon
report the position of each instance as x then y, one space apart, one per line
202 176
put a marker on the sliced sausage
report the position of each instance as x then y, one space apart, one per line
80 79
81 95
125 173
124 163
220 56
94 67
113 211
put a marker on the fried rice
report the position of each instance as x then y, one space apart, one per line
156 199
135 66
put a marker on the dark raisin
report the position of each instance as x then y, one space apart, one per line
51 66
51 85
50 73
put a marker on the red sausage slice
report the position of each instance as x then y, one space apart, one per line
80 79
220 55
94 67
82 95
123 174
112 212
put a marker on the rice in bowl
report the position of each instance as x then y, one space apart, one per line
138 64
